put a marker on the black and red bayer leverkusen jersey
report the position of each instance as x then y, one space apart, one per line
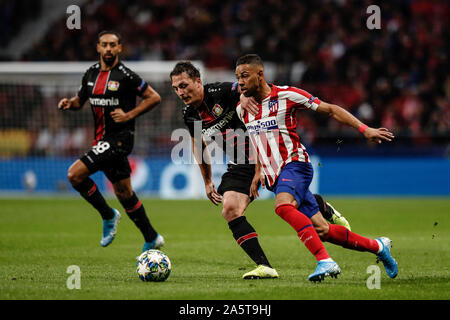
218 119
108 90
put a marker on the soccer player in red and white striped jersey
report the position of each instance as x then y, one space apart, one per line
273 129
286 166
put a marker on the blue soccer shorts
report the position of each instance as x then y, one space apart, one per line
295 179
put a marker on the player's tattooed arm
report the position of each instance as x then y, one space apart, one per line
150 99
340 114
203 158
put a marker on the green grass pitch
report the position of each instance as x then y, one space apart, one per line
41 238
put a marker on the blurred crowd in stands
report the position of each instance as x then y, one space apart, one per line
395 77
14 14
35 127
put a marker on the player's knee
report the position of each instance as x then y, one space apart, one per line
73 178
282 209
231 211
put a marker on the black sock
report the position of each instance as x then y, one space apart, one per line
135 210
89 191
325 209
247 238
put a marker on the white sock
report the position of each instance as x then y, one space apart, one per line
326 260
380 246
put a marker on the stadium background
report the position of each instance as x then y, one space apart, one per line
396 77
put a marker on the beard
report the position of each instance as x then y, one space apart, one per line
109 60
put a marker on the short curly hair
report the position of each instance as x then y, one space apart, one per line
249 59
109 32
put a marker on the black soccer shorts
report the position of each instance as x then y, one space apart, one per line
238 177
110 156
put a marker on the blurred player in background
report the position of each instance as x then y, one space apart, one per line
286 168
213 106
111 89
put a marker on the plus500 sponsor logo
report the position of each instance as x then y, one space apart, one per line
258 126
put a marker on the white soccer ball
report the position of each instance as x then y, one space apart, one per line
153 265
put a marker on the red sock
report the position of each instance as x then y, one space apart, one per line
305 230
342 236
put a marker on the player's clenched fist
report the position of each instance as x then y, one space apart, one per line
119 115
64 104
72 103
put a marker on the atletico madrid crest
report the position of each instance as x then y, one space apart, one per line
273 105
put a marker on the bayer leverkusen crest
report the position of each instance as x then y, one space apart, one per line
113 85
217 110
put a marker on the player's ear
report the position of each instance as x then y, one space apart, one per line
261 73
119 47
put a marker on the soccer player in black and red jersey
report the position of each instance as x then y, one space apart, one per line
111 89
213 107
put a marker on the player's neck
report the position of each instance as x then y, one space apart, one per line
263 92
199 102
106 67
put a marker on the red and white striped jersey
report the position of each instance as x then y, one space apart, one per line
273 130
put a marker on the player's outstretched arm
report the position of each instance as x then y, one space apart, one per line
73 103
150 99
203 158
340 114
